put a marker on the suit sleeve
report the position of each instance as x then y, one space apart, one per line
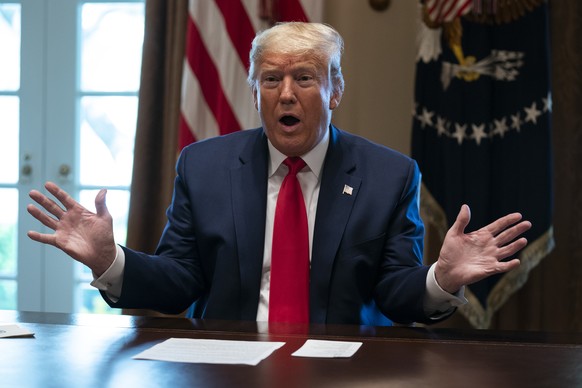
401 288
172 279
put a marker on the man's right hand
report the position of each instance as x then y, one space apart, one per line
85 236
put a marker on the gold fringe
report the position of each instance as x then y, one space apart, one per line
432 213
478 316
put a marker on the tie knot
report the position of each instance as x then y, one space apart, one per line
295 164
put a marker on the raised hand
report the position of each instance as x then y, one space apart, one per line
467 258
85 236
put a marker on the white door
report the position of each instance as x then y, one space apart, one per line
69 78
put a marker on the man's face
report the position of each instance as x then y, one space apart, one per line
294 99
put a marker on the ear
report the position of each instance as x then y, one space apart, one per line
255 99
335 99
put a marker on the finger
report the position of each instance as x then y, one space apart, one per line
511 233
512 249
47 221
100 203
506 266
47 203
41 237
503 223
60 194
463 219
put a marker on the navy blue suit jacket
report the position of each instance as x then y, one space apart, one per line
366 264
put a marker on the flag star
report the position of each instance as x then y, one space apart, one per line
516 122
532 113
500 127
441 126
478 133
425 118
459 133
547 103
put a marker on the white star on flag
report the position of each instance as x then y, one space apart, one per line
532 113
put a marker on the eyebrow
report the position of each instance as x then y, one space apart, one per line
304 65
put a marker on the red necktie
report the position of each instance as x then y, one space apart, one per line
289 287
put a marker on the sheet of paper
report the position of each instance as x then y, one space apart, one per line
327 349
7 331
210 351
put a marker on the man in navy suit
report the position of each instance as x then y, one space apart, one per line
365 232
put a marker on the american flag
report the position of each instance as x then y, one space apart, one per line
216 98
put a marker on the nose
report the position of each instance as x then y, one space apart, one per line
287 95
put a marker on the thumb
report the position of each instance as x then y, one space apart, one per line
100 205
463 219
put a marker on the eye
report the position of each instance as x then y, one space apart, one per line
305 80
270 81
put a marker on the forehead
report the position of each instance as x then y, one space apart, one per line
279 61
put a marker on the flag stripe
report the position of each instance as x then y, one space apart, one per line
232 72
207 75
313 9
195 112
239 27
215 95
291 10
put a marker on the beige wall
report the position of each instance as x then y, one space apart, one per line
378 67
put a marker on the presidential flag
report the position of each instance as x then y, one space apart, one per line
481 127
216 98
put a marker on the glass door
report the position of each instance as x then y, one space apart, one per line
10 40
69 79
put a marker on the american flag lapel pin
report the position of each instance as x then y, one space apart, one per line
348 190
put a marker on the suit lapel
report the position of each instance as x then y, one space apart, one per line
338 192
249 196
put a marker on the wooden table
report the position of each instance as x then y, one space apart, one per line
97 350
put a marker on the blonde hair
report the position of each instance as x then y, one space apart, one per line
319 41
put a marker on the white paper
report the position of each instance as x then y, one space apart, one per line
7 331
210 351
327 349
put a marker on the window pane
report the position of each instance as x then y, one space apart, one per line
8 225
7 295
92 302
118 205
111 46
9 142
107 138
9 47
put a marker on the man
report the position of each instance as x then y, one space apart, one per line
361 199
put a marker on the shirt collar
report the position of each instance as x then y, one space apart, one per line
314 158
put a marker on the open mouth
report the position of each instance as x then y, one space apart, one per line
288 120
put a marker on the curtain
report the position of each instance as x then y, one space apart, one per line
156 139
158 121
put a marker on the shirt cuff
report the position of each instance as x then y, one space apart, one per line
111 280
437 302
